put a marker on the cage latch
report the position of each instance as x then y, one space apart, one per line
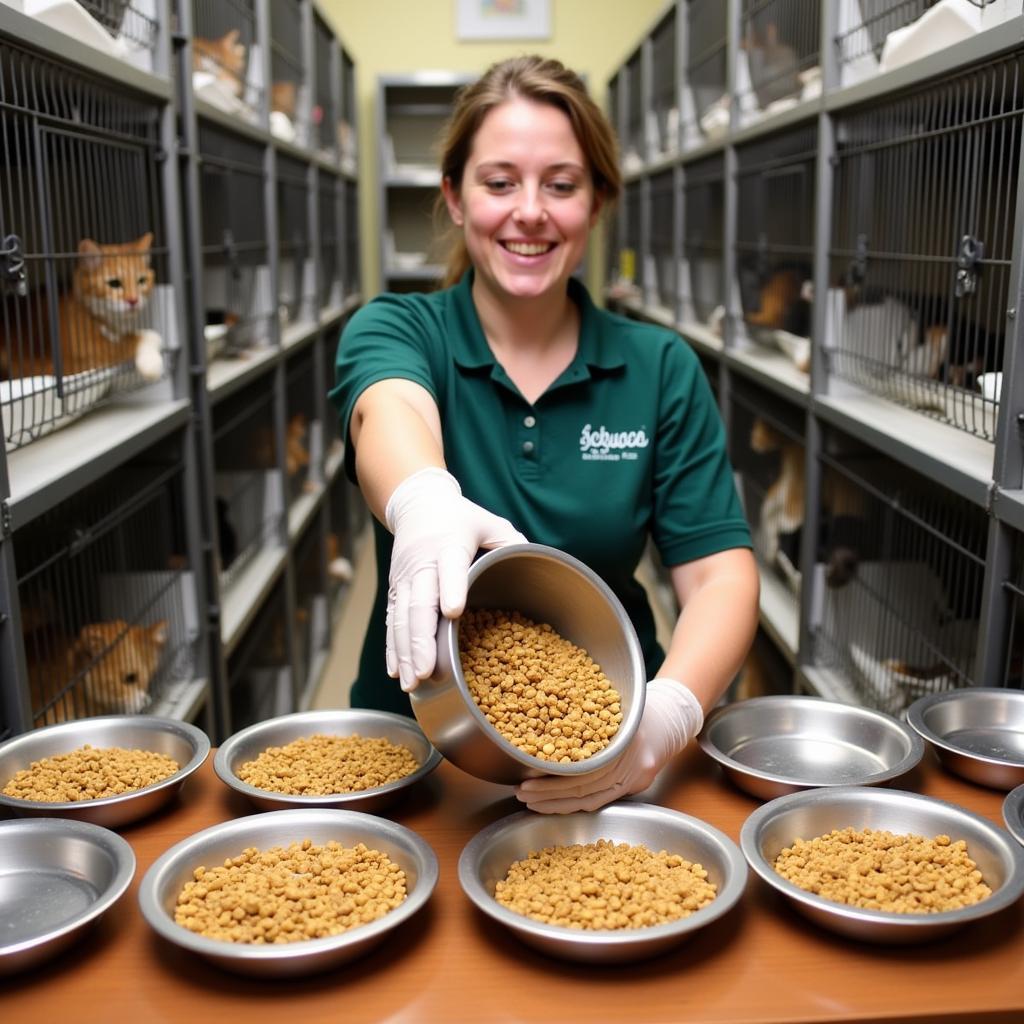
12 265
969 255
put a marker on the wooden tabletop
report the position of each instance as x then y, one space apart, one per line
762 962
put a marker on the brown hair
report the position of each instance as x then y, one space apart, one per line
534 78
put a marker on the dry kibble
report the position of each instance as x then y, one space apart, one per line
878 870
290 894
90 773
604 886
541 692
321 765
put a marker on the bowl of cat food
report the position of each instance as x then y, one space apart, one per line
354 758
977 732
566 884
347 880
109 770
883 865
543 673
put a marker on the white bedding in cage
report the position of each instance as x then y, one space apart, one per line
73 19
893 612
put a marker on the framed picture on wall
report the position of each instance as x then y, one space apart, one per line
502 19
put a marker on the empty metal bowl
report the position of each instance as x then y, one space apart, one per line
546 585
487 857
770 746
976 732
56 878
815 812
188 745
275 732
164 881
1013 813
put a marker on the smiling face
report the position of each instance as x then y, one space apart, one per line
526 203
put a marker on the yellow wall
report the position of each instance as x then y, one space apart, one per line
400 36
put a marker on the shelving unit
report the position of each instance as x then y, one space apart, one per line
411 110
844 255
187 510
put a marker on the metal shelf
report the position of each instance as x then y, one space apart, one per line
780 614
225 376
302 510
771 370
241 600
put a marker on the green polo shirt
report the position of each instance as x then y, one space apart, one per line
627 443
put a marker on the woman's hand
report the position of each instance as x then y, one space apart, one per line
437 534
672 717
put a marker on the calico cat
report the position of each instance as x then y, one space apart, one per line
783 314
107 669
100 318
224 58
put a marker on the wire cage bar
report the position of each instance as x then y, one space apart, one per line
86 310
341 533
634 130
312 618
227 68
615 85
664 117
777 64
1013 662
775 240
238 299
663 281
289 85
706 100
332 421
922 242
109 614
767 452
351 275
296 266
247 481
325 112
259 674
303 456
348 141
330 284
702 272
898 579
132 27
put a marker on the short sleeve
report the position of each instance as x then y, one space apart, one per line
697 511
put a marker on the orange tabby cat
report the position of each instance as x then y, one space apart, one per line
284 97
107 669
100 317
224 58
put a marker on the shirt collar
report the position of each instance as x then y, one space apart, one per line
598 348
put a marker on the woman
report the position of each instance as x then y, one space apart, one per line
509 398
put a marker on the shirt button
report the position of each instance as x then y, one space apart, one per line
530 421
527 447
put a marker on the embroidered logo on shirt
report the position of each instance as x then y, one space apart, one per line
602 445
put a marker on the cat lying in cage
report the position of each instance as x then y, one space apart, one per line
106 669
223 59
783 314
100 318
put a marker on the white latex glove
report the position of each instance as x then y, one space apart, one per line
437 534
672 717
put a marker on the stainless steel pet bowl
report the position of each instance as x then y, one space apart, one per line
57 877
976 732
770 746
164 881
247 744
188 745
487 857
546 585
1013 813
815 812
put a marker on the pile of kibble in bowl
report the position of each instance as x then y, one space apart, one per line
541 692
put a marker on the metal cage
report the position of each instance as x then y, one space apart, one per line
777 65
247 481
702 275
348 141
237 296
330 285
663 287
311 624
133 28
614 91
631 252
706 99
1013 661
296 265
351 274
634 130
922 242
898 580
108 610
341 535
226 67
289 84
259 674
325 113
86 310
664 88
775 239
303 456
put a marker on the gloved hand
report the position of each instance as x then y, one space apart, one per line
672 717
437 534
